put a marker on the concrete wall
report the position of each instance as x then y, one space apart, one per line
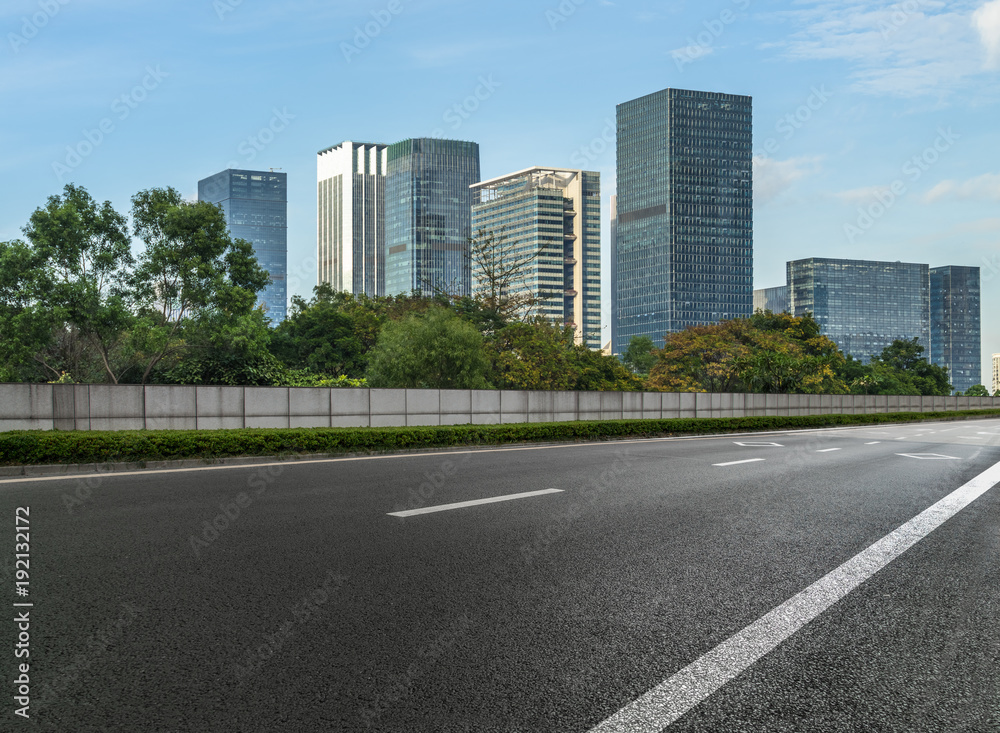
158 407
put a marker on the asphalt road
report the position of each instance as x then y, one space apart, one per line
309 607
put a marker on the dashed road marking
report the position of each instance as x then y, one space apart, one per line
827 450
929 456
736 463
675 696
475 502
760 445
874 442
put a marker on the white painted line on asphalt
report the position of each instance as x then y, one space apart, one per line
475 502
675 696
760 445
736 463
827 450
876 442
929 456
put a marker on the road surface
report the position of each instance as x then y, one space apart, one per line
739 583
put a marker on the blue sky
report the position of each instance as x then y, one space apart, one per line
874 122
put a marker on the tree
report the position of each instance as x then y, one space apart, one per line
435 349
639 356
540 355
502 271
767 352
190 270
82 263
320 335
27 324
977 390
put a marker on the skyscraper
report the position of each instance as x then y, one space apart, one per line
862 306
955 327
350 224
996 375
613 258
556 213
771 299
428 215
685 212
255 204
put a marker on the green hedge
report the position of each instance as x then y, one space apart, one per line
33 447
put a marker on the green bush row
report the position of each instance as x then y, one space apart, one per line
34 447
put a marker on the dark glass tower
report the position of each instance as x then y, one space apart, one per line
955 324
256 208
684 245
862 306
429 215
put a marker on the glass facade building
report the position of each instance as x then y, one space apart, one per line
771 299
255 204
684 249
552 221
862 306
350 222
428 215
955 327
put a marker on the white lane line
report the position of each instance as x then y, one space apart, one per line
736 463
827 450
674 697
475 502
929 456
760 445
876 442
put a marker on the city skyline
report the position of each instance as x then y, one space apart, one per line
868 143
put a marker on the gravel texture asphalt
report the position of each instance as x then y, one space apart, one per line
285 597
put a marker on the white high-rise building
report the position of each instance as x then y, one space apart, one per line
996 374
350 223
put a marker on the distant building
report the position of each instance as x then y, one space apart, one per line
955 324
996 374
555 212
428 215
862 306
684 247
350 222
613 246
771 299
255 204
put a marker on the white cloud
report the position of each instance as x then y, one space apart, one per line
987 21
981 188
772 177
863 195
903 49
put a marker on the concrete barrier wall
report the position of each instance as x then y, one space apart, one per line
160 407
